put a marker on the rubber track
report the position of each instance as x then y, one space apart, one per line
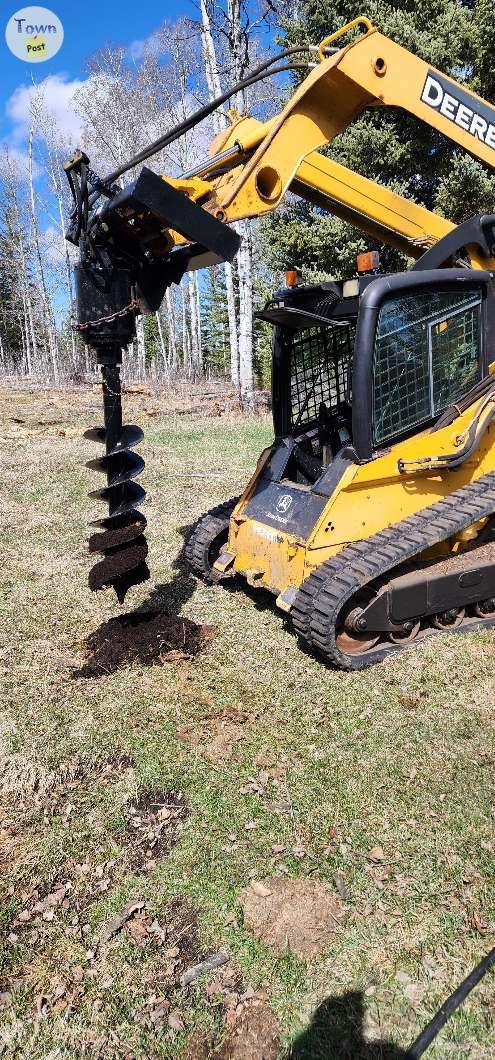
322 596
203 533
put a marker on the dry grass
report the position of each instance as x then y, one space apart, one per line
278 766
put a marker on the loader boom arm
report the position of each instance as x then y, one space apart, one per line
270 158
147 235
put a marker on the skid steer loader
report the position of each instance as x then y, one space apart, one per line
371 516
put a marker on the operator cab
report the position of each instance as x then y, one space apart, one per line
361 364
314 332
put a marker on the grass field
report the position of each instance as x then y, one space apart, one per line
265 765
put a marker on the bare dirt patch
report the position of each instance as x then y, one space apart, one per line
147 637
249 1028
255 1034
154 823
217 735
299 915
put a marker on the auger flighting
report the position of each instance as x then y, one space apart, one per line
124 268
120 536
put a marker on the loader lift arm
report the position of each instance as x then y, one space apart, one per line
146 236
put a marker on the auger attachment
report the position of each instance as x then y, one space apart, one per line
121 534
125 265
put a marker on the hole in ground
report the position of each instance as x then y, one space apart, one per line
153 826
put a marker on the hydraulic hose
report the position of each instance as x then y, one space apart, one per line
427 1036
265 69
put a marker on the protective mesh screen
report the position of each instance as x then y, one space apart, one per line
427 354
320 362
455 356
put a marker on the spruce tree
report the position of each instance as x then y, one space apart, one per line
215 323
390 146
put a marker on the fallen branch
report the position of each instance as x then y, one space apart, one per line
118 922
215 961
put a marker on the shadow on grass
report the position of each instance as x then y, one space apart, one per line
336 1033
171 596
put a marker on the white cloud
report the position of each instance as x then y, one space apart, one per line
147 45
57 93
136 49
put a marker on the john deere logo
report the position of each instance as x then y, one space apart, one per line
284 503
34 34
461 108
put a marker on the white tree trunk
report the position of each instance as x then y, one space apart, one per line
214 89
232 316
193 317
186 360
141 350
239 61
244 267
211 65
172 340
163 348
50 330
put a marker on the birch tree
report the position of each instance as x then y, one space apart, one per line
218 121
238 47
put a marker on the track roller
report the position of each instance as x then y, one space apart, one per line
121 534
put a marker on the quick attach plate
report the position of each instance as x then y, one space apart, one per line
145 209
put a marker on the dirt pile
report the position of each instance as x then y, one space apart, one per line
147 637
300 915
250 1029
255 1034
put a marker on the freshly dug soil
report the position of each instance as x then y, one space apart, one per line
256 1034
300 915
147 637
153 826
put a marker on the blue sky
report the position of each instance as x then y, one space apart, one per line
87 26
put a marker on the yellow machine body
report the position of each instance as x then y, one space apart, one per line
367 499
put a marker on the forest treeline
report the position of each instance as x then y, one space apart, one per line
129 96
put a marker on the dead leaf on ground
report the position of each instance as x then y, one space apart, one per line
376 854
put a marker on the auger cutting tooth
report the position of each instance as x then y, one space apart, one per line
121 540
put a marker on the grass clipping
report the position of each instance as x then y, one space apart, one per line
147 637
